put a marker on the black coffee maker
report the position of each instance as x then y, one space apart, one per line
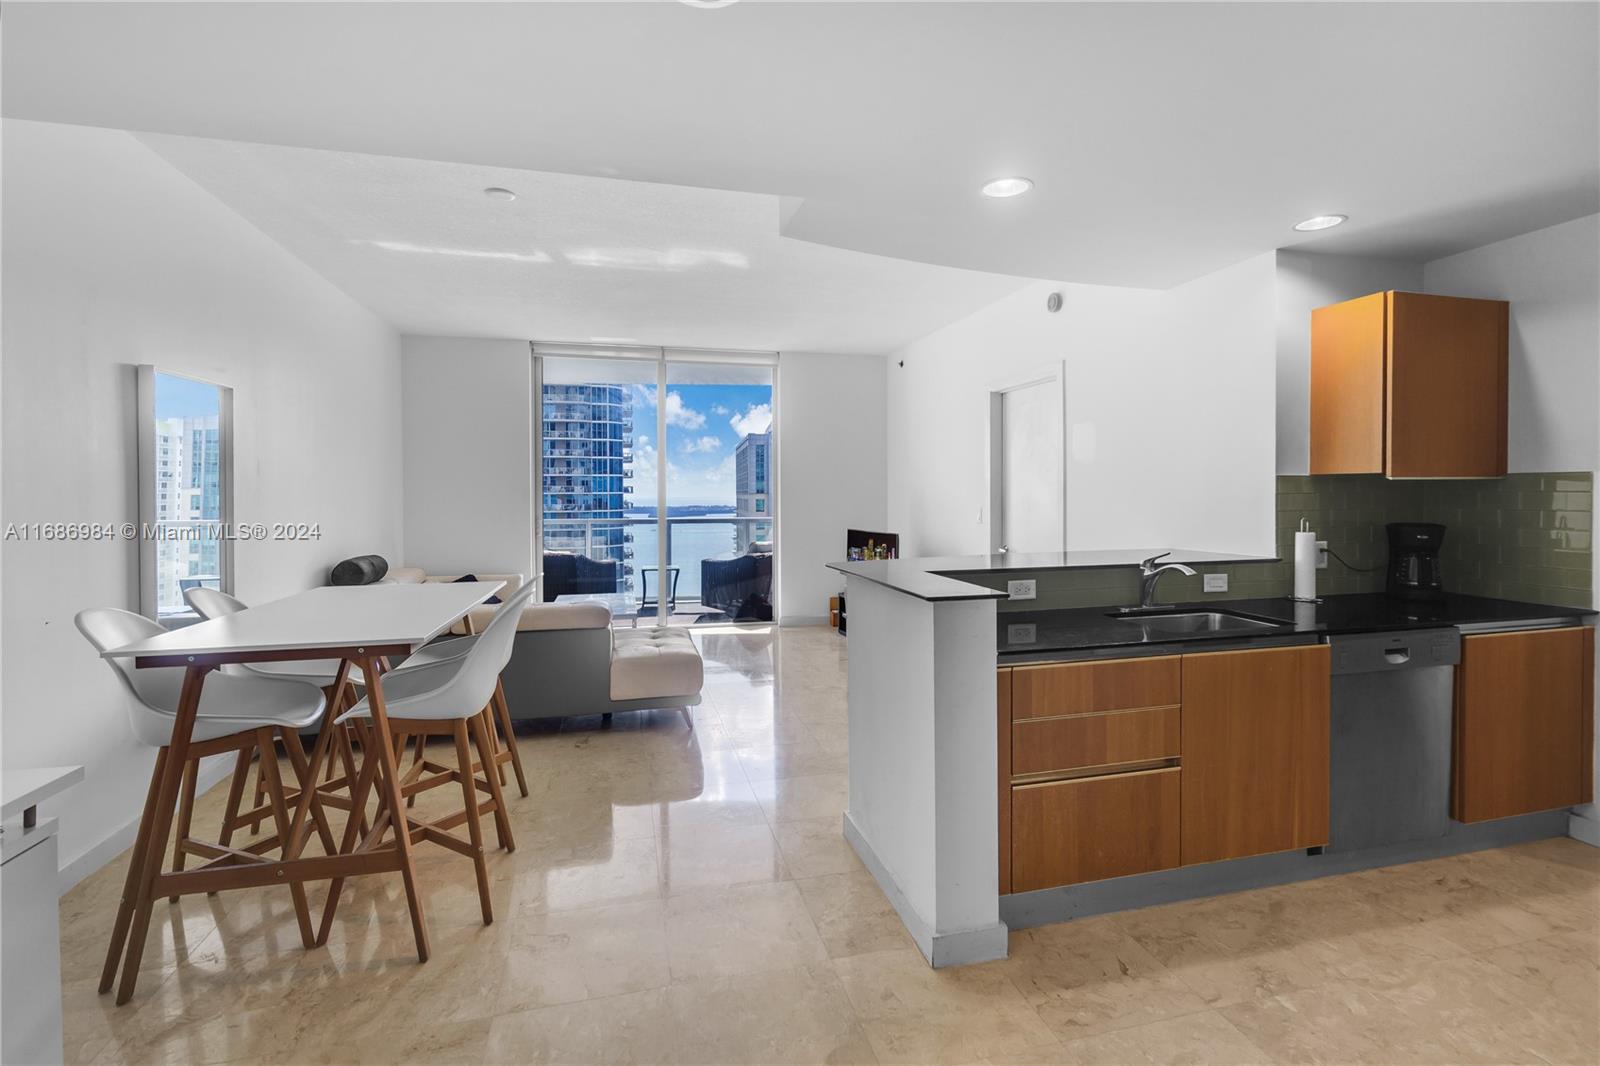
1414 560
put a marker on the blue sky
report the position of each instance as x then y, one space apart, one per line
182 398
704 425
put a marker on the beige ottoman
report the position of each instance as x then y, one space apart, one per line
659 663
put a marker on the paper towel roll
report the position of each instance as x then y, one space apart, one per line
1305 565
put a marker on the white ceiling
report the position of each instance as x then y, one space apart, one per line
573 258
1166 140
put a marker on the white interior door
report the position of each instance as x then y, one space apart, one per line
1031 503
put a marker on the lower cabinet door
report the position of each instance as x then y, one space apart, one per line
1255 752
1089 828
1524 723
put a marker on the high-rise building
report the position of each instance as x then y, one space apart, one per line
188 489
587 466
752 471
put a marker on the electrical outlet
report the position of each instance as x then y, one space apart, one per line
1022 590
1322 555
1216 583
1022 633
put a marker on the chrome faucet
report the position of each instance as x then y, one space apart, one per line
1150 573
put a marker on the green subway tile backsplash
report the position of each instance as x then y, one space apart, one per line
1520 537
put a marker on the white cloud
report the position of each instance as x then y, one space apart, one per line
756 419
681 416
703 444
720 411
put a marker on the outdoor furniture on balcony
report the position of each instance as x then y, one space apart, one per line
740 586
570 573
648 603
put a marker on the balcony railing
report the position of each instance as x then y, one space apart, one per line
691 541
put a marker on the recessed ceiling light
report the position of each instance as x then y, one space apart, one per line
1003 187
1316 222
494 192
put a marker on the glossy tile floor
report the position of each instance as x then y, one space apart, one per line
686 897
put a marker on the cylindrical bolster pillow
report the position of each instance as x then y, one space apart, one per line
362 570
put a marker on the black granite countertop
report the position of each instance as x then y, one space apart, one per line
939 578
1098 631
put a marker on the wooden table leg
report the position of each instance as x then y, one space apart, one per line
354 829
161 824
191 782
383 750
130 886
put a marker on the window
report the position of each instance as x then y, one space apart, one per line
654 467
185 491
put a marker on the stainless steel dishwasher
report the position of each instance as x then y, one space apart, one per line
1392 703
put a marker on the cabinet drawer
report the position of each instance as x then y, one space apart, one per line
1084 688
1091 828
1044 745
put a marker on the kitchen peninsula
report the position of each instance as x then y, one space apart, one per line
1016 767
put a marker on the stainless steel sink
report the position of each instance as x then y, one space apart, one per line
1180 623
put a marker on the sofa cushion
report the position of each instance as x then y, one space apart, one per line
650 663
543 616
404 575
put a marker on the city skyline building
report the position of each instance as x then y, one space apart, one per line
587 470
752 468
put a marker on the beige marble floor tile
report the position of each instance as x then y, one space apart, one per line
1088 976
798 1015
1206 1037
697 858
776 761
813 796
740 930
568 956
626 871
815 846
852 915
912 1013
636 1028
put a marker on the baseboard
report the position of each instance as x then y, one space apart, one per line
212 770
1584 826
940 949
802 620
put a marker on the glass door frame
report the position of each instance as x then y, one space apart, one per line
661 357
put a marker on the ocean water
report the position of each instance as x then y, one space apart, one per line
691 542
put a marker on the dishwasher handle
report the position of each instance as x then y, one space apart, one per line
1397 656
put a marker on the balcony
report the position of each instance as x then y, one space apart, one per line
736 586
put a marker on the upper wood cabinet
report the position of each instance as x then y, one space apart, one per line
1524 727
1409 386
1255 752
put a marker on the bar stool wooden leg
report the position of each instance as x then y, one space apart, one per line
390 773
469 796
503 712
297 760
280 818
130 885
230 814
353 830
502 821
161 825
191 781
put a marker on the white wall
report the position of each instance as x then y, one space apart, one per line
467 419
113 258
1170 422
1551 277
831 473
1306 281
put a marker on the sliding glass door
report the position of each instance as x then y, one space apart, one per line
658 491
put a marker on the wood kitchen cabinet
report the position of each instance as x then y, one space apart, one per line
1410 386
1255 752
1089 828
1524 723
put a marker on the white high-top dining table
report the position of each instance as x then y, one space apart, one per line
362 626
